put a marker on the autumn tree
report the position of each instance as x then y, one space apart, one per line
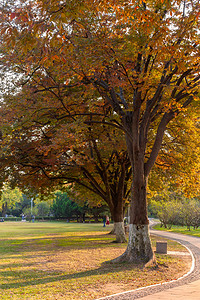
140 58
94 161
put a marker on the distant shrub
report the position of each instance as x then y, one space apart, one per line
12 219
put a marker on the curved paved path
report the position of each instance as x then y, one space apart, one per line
187 288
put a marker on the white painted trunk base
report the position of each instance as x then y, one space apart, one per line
120 232
139 249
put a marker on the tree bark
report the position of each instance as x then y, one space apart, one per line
139 249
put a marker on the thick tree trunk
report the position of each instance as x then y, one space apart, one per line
139 249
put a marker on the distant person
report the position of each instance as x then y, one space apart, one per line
104 221
107 220
33 218
23 218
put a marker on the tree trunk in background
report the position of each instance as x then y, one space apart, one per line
4 209
118 219
120 232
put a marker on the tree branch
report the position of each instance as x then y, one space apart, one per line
158 141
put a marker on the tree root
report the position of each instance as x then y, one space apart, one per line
127 257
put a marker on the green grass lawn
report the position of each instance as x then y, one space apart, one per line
180 229
55 260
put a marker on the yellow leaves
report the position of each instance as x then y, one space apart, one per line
173 105
63 16
178 162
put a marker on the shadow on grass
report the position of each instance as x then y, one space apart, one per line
16 255
37 277
52 244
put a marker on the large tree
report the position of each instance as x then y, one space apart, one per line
140 58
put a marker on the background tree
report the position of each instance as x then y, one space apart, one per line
28 213
63 207
18 207
168 209
190 213
43 209
177 210
9 197
140 58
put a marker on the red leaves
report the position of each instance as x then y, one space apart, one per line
12 16
23 17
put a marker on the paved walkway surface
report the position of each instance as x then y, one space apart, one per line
190 290
187 288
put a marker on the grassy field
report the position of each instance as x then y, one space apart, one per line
180 229
71 261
